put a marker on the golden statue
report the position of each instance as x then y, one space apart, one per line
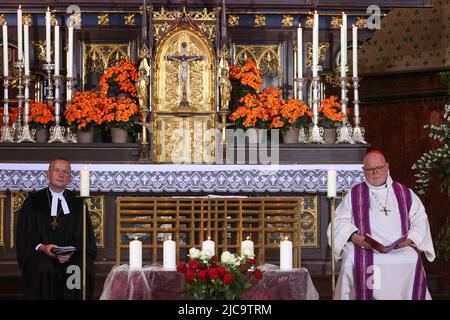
224 82
142 83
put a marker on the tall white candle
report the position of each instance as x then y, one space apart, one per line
56 50
48 37
5 50
299 51
70 53
84 182
208 246
286 254
135 254
26 49
343 45
19 34
355 50
331 178
169 254
315 57
247 248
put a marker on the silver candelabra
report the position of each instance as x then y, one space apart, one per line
358 132
344 132
316 133
7 132
70 86
57 132
25 133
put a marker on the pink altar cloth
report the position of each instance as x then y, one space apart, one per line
154 283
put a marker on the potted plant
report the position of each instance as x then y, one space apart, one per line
120 116
330 117
84 112
41 118
119 84
207 278
244 80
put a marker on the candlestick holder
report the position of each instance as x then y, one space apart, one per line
302 135
57 132
83 250
49 95
344 132
358 132
70 88
19 65
316 133
300 86
25 133
7 132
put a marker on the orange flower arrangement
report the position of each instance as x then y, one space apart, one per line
115 103
86 109
330 112
269 110
247 75
120 79
41 115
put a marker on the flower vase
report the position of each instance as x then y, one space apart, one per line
290 135
85 136
329 135
41 135
119 135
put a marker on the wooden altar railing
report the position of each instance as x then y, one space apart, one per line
228 221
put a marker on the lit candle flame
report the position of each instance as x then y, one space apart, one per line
248 237
209 238
170 237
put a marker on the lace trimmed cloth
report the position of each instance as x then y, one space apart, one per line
154 283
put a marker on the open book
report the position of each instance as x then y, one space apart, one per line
63 250
381 248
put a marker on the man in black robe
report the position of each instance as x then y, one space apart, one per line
49 218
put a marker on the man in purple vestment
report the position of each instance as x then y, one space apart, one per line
387 211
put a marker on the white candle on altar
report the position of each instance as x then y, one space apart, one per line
247 248
19 33
169 254
135 254
331 178
286 254
315 56
355 50
84 182
5 50
56 50
48 37
344 45
208 246
299 51
26 49
70 53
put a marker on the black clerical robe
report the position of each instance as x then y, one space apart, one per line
45 277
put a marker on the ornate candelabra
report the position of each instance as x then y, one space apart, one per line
19 65
49 95
358 132
7 133
344 133
57 132
24 133
70 87
315 133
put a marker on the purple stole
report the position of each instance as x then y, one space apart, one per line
364 258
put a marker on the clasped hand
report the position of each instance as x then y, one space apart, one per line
47 249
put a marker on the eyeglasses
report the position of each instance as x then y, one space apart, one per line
58 171
374 169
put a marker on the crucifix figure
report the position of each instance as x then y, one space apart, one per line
184 59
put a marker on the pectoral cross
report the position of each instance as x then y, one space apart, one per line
184 59
385 210
54 223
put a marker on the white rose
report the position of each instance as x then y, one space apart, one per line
194 253
205 255
228 258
